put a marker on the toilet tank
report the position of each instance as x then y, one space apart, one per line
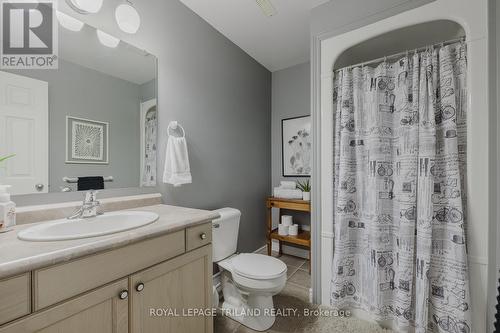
225 233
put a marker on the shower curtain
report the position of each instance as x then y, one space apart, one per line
399 191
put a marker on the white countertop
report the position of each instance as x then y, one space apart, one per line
17 256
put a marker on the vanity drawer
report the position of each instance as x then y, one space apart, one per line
57 283
198 236
15 297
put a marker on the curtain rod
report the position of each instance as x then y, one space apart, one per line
448 42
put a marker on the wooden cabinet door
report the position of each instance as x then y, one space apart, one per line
162 296
101 310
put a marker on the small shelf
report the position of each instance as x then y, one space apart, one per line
291 204
303 238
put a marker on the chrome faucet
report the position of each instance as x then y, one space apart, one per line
89 207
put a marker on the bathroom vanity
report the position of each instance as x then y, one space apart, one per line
141 280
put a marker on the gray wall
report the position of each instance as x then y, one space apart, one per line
85 93
290 98
148 90
494 93
221 96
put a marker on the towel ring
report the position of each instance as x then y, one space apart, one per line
173 125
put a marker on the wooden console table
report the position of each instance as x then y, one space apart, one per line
304 236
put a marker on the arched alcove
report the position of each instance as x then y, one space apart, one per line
383 38
400 40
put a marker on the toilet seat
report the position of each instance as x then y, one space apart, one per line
258 266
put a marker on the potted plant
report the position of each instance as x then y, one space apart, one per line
305 187
6 157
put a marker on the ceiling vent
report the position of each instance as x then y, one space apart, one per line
267 7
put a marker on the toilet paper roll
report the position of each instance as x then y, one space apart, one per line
293 230
287 220
283 230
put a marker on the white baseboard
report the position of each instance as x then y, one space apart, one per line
261 249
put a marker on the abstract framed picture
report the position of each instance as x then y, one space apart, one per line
296 148
87 141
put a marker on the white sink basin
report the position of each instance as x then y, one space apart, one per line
108 223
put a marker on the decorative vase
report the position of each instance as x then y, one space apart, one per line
306 196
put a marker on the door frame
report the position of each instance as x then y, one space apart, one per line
144 107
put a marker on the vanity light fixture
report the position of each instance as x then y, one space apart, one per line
69 22
107 39
127 18
85 6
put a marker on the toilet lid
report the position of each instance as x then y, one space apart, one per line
258 266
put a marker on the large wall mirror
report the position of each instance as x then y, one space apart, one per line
90 124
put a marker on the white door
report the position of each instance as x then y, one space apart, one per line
24 114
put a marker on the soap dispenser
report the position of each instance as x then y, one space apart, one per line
7 208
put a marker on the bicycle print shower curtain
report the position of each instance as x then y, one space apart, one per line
399 191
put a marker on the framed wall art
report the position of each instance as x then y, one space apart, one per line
296 146
87 141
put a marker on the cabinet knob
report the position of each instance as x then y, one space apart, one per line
39 187
139 287
123 294
203 236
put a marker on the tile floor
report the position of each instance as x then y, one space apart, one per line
296 295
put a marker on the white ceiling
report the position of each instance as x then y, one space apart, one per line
276 42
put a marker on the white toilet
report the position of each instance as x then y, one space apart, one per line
249 280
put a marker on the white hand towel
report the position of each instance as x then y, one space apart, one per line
287 194
289 185
177 171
